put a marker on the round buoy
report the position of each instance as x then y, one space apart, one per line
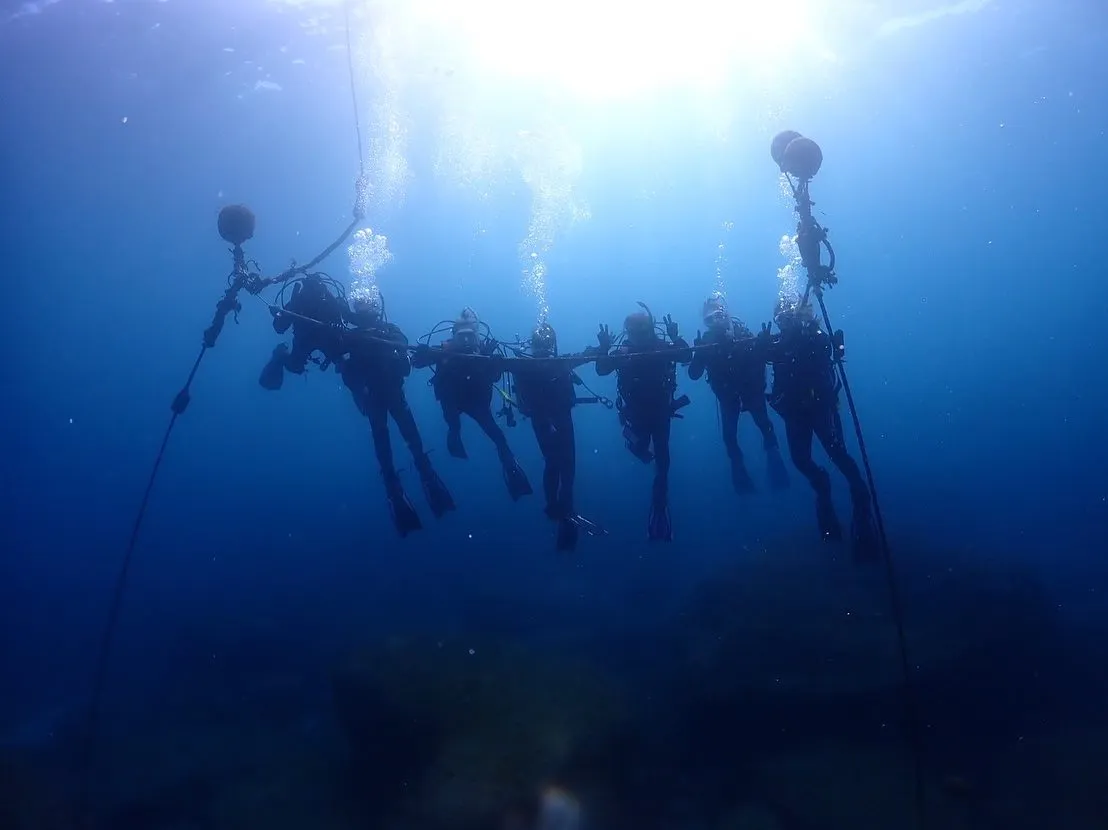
236 224
780 142
802 158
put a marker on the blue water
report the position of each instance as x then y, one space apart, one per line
962 190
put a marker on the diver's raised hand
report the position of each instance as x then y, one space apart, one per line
604 338
764 339
671 326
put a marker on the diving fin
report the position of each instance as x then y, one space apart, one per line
273 373
516 479
740 477
434 489
659 526
590 527
404 516
568 533
637 444
866 542
829 528
677 404
775 467
454 444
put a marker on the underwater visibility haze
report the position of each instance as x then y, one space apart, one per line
370 446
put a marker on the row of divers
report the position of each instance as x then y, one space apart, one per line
473 370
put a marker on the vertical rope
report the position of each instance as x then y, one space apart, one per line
911 702
811 238
353 91
92 719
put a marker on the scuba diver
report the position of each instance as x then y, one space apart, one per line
315 313
646 382
737 374
374 369
545 393
806 395
467 369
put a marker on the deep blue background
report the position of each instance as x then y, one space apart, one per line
962 186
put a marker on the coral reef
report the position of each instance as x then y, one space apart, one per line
771 701
749 817
844 787
797 622
460 734
28 798
194 771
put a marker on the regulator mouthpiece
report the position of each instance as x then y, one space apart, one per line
236 224
544 341
368 305
715 313
796 155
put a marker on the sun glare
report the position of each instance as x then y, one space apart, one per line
518 86
614 48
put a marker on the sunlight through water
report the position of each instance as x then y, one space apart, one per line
550 164
615 48
506 90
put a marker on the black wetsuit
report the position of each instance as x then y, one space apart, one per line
311 299
805 394
464 385
374 372
737 375
546 395
646 382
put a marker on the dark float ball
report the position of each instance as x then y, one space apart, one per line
236 224
780 142
803 158
796 155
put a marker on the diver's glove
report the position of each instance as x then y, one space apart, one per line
422 356
401 363
281 321
698 339
604 338
764 338
671 327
